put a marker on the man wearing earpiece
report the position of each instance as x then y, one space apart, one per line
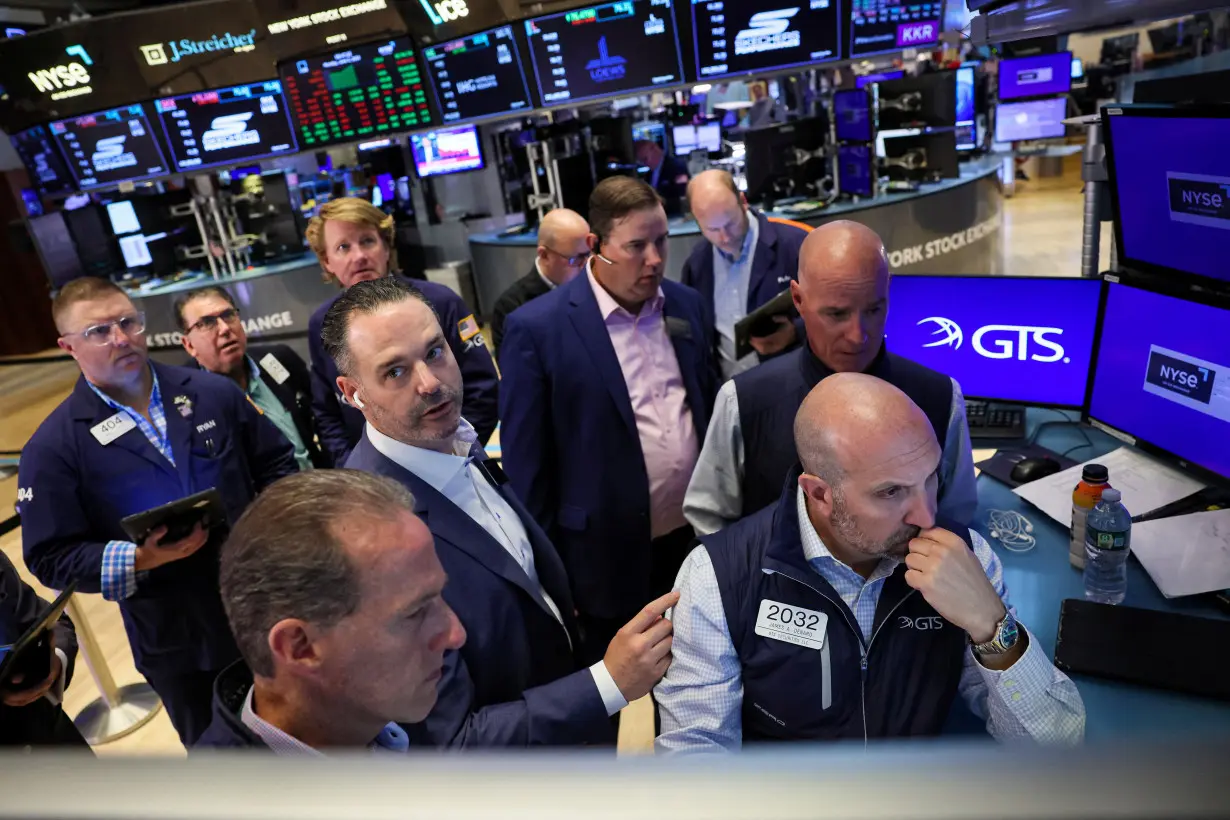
849 609
608 385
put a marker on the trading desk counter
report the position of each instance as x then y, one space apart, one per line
950 227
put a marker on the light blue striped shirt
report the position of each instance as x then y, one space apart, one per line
701 696
392 738
731 280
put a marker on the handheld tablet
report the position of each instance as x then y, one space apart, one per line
178 516
760 321
31 655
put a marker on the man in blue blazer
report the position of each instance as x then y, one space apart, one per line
517 681
742 261
608 385
353 240
135 435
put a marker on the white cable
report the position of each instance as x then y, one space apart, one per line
1012 530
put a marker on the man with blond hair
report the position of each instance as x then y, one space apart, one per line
354 242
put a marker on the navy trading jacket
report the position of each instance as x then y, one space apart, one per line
340 426
74 491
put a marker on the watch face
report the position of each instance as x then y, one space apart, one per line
1008 633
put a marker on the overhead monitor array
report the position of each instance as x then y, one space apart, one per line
734 37
110 146
478 76
227 125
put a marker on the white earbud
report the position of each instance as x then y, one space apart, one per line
358 400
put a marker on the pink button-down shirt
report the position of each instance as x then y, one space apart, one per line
659 403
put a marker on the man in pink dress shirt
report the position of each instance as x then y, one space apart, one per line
608 383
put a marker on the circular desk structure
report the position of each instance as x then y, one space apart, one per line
949 227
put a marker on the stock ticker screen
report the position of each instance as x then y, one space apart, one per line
478 76
614 48
741 36
878 26
42 159
110 146
226 125
366 90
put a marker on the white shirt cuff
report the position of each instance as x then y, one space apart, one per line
55 694
1031 675
612 698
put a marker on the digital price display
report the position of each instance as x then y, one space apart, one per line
226 125
110 146
612 49
42 160
353 94
448 151
743 36
877 26
479 76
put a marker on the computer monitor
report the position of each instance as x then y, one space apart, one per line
447 151
1161 376
785 159
925 157
1026 339
478 76
39 154
709 137
56 248
736 37
1170 190
1041 75
1078 68
123 218
1030 120
928 100
967 91
649 131
225 126
32 202
883 76
689 138
108 147
852 115
880 26
856 170
1119 49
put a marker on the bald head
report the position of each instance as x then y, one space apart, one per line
720 210
562 235
842 294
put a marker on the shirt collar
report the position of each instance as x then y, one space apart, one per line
541 275
155 394
437 469
815 550
392 738
607 304
255 383
749 241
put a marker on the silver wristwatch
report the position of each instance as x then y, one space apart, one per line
1006 636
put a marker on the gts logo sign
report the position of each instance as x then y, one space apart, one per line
1005 342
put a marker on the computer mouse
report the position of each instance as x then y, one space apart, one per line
1031 469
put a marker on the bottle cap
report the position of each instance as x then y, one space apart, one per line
1095 473
1112 495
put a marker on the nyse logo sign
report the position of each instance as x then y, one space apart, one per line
1199 199
230 131
1177 376
71 79
768 31
1006 342
445 11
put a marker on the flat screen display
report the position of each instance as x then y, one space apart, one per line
478 76
744 36
1172 202
884 76
447 151
1024 339
355 94
689 138
967 136
852 115
854 164
110 146
878 26
226 125
1032 120
123 217
1163 375
42 159
607 50
1038 76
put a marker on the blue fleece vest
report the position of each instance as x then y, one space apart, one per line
899 684
770 395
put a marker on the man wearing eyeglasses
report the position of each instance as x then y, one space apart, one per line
563 248
135 435
275 378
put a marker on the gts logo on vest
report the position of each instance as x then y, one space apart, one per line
1007 340
923 623
65 80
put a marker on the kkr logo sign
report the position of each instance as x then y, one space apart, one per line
1177 376
230 132
1007 340
1199 199
606 67
767 31
915 34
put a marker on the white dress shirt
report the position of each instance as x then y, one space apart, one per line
701 697
731 280
461 481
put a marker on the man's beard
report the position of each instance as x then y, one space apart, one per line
411 427
847 528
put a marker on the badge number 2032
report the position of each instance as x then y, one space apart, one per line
793 624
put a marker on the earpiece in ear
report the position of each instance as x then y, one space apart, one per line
358 400
604 259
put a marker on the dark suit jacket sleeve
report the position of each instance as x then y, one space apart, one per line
270 454
526 438
20 607
300 383
568 711
480 401
330 427
498 314
55 531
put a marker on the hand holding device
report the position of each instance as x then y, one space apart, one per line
640 653
42 666
951 579
773 343
152 553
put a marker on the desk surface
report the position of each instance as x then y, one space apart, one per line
1039 580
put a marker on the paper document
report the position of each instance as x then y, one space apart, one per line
1146 485
1187 554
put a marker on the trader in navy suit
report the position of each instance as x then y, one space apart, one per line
608 385
517 681
353 240
742 261
135 435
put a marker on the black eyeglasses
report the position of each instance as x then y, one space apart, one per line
571 261
230 316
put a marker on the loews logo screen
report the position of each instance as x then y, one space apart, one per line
71 79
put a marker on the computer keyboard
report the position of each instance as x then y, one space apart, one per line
1002 421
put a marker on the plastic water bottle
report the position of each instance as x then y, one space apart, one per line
1108 540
